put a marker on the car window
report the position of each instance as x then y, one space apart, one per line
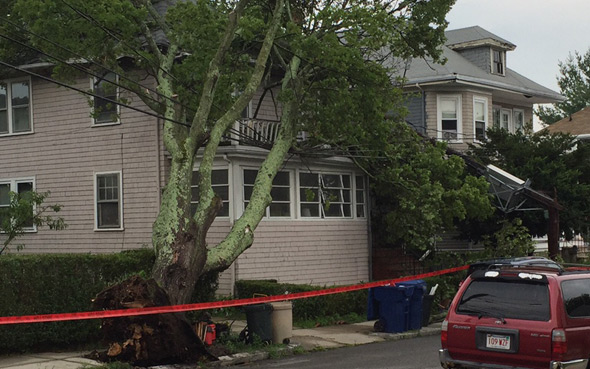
576 296
506 299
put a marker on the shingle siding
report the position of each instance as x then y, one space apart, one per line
479 56
416 114
64 153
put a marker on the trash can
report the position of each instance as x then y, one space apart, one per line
282 321
259 322
426 307
391 306
418 287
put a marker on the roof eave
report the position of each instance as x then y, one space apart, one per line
458 78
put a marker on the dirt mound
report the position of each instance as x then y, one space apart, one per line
150 339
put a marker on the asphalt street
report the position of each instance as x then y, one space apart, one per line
415 353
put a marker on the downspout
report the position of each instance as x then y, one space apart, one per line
234 272
422 107
369 230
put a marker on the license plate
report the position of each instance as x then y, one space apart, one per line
495 341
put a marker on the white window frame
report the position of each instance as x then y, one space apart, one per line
458 105
502 62
364 192
13 183
514 111
267 214
9 107
120 184
93 84
508 112
227 203
320 202
484 100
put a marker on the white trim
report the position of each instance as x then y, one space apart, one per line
93 81
8 83
267 215
484 100
458 106
514 111
13 182
502 60
121 226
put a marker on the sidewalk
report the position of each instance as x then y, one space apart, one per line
309 339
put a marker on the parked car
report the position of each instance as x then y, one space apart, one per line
522 316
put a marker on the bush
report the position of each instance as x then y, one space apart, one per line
309 308
63 283
59 283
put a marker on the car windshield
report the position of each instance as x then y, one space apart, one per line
506 299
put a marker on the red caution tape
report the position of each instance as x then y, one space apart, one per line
210 305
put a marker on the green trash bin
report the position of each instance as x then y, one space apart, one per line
259 322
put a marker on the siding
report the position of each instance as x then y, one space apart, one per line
479 56
321 252
466 114
415 115
63 154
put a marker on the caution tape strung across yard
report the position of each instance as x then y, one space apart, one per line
43 318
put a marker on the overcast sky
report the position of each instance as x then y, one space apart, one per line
544 31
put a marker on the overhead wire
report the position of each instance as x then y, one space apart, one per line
59 83
81 57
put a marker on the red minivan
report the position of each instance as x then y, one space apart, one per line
519 317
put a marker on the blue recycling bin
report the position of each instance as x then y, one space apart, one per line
391 306
416 302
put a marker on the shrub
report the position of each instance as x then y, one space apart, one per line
309 308
59 283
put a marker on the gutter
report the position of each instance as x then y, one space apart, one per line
483 82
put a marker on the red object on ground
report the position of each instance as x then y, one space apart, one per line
210 335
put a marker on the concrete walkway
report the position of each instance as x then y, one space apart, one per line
309 339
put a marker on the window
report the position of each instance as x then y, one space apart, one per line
109 203
449 117
510 300
21 187
325 195
280 193
361 207
518 119
15 107
498 61
105 111
576 296
220 185
480 118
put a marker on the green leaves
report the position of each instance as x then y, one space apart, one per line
27 211
556 164
574 84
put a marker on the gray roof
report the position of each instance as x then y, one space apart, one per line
458 69
474 34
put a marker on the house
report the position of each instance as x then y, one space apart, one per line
474 90
108 170
577 124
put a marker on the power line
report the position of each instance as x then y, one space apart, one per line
124 43
84 58
91 94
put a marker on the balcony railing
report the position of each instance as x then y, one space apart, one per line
257 132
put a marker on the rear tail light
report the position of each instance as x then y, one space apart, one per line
443 333
558 342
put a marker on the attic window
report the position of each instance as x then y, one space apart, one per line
498 61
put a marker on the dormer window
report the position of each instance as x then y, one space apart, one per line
498 61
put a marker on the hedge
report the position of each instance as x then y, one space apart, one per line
62 283
310 308
59 283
